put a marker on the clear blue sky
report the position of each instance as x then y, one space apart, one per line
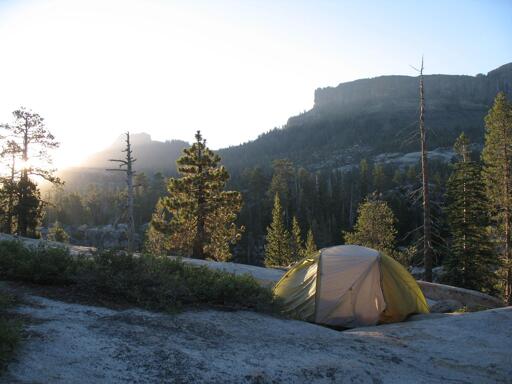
233 69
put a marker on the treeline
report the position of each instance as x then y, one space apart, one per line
103 204
327 202
324 202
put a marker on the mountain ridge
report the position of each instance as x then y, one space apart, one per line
363 118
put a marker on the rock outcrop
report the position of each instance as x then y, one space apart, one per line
74 344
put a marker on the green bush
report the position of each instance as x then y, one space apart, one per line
58 233
142 280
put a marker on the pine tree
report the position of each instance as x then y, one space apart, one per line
281 183
297 249
379 177
8 191
497 158
202 213
29 207
34 140
277 247
157 240
364 178
310 248
471 262
375 227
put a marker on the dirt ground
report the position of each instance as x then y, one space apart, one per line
74 343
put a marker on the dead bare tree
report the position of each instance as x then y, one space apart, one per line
126 165
428 252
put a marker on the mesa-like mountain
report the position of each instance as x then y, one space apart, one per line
369 118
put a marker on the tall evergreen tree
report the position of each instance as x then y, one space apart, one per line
202 213
379 177
364 178
471 262
277 247
497 157
375 227
282 184
310 247
297 248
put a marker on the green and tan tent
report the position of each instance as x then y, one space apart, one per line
350 286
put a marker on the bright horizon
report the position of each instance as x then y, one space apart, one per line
94 69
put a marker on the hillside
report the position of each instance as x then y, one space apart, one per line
368 117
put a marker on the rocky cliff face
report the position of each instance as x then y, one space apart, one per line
403 90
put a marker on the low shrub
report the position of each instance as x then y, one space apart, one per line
164 283
143 280
39 265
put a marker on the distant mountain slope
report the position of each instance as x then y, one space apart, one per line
152 156
373 116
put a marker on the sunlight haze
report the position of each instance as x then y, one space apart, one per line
234 70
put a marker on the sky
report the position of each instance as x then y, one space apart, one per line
232 69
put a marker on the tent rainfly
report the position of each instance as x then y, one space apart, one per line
350 286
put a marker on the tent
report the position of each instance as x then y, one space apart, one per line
350 286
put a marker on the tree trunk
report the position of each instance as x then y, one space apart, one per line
428 254
129 184
22 214
128 163
508 257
